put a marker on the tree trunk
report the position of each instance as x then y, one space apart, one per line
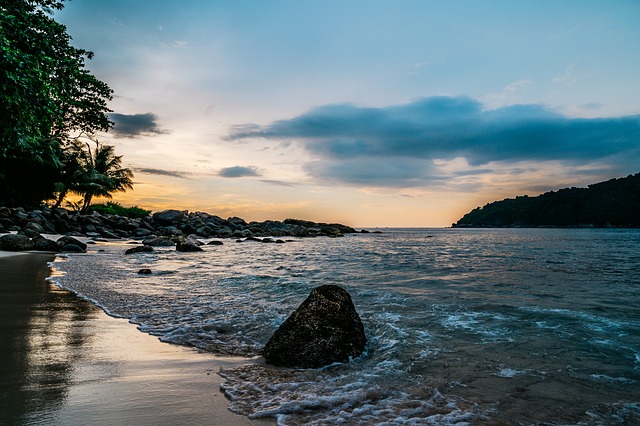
86 203
60 198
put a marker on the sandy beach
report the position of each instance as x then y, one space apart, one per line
63 361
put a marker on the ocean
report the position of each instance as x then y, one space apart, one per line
464 326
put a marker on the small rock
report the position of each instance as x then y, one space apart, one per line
144 271
158 242
182 244
187 247
72 248
214 243
139 249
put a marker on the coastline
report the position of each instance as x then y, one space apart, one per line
64 361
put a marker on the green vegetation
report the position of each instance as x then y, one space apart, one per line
615 202
110 207
90 173
49 104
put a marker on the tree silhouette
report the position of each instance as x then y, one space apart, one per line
104 174
47 97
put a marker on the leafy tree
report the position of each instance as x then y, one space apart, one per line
71 171
47 98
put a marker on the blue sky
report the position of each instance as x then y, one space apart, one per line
403 113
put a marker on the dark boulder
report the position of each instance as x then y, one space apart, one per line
72 248
142 233
168 217
63 241
225 232
158 242
325 329
186 245
144 271
193 239
15 242
170 231
32 229
105 233
139 249
237 221
41 243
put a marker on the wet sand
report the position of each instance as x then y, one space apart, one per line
63 361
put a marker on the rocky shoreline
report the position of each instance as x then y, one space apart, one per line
174 224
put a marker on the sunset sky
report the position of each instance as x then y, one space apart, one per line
369 113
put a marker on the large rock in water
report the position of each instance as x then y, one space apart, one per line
325 329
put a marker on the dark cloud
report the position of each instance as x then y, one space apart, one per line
161 172
374 171
135 125
239 171
382 146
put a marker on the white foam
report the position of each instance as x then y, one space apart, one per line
510 373
312 398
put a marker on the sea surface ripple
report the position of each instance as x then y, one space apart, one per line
465 326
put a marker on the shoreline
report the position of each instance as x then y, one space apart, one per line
65 361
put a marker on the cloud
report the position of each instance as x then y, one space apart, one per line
135 125
568 78
178 44
278 182
239 171
374 171
161 172
509 94
398 144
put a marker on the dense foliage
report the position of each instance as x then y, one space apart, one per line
110 207
48 102
92 172
615 202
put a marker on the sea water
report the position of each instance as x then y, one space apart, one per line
464 326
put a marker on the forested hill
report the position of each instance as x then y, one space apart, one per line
614 203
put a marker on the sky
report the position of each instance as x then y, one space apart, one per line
369 113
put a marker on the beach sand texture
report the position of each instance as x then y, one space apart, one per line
63 361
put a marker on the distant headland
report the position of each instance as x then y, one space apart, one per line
614 203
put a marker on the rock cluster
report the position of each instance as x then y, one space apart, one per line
325 329
167 223
21 242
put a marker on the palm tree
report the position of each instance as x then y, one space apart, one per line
70 172
102 175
